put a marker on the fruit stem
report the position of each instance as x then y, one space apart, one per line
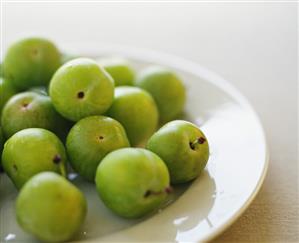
199 140
62 170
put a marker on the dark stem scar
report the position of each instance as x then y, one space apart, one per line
35 51
57 159
15 167
169 190
199 140
80 95
147 193
25 106
151 193
191 145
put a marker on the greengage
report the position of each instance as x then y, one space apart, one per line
132 182
167 90
80 88
136 110
90 140
183 147
31 151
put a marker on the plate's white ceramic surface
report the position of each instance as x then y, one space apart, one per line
201 210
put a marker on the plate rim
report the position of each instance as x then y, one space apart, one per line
209 76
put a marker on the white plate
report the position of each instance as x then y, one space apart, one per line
200 211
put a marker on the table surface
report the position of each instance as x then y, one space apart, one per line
253 45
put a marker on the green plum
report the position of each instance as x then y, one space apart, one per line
183 147
132 182
80 88
31 62
31 151
50 207
90 140
120 70
28 110
167 90
6 91
136 110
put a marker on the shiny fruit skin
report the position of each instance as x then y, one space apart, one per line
30 110
136 110
31 151
173 143
31 62
90 140
167 90
132 182
50 207
80 88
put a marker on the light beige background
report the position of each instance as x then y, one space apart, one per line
254 45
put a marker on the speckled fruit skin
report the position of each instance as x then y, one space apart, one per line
30 110
119 69
172 144
136 110
80 88
50 207
167 90
90 140
31 62
6 91
132 182
30 152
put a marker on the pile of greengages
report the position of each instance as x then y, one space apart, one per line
95 118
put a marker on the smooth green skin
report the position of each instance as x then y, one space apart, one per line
31 62
126 175
30 152
90 140
167 90
50 208
81 75
136 110
6 91
172 144
29 110
119 69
